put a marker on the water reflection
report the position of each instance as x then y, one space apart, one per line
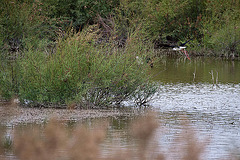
180 70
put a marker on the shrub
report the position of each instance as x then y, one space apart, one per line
220 27
8 78
82 72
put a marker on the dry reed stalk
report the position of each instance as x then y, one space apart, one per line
143 129
31 145
28 146
193 148
84 144
56 144
55 138
121 155
190 147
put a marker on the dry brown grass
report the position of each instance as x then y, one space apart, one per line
57 143
143 129
191 148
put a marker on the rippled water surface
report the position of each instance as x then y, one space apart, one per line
204 91
213 112
207 92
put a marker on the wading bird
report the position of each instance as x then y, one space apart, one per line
174 47
182 48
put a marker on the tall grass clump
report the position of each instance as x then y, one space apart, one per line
83 72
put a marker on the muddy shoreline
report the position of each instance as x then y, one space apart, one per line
13 114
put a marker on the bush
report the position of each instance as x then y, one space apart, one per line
8 78
82 72
6 85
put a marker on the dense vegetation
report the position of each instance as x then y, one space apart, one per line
84 51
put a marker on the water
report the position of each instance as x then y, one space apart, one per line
198 70
213 112
206 91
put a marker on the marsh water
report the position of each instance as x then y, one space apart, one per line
205 91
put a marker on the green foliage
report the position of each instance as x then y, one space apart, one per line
163 20
213 25
54 78
8 78
221 27
227 40
40 22
6 90
80 12
84 73
23 23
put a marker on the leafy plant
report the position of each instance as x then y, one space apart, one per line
83 72
221 27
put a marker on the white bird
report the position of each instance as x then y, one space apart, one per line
178 48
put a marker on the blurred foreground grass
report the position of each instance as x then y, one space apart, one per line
56 142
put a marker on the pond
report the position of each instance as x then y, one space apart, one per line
203 91
207 92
